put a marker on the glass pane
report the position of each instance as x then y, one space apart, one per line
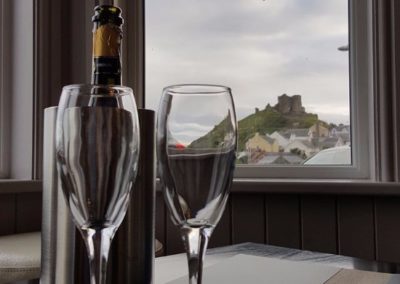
287 62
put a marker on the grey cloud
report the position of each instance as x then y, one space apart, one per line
259 48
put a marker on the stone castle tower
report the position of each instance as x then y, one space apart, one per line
290 105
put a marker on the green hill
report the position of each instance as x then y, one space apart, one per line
269 120
214 137
263 121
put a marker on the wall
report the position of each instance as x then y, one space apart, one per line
20 213
352 225
361 226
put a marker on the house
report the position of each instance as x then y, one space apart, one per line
281 139
345 138
304 146
341 129
242 157
296 134
262 143
254 156
280 159
174 143
330 142
318 130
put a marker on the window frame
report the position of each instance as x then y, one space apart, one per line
362 115
4 89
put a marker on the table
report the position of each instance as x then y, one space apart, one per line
171 267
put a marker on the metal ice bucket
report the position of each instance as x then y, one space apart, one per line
64 259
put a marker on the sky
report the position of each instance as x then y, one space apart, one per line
261 49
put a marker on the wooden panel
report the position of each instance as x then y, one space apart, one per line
222 233
220 237
174 243
81 261
248 218
319 223
8 186
33 281
29 212
283 220
387 212
160 218
356 227
7 214
314 222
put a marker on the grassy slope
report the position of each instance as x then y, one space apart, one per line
264 121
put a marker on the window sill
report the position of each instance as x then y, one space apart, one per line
270 186
309 186
8 186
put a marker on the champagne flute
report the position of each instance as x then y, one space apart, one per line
196 148
97 148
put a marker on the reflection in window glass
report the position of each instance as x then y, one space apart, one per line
287 62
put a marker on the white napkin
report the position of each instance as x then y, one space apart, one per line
256 270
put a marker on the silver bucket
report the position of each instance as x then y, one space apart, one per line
64 259
58 231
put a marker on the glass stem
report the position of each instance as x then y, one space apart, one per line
196 241
98 246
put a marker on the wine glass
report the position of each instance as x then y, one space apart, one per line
97 149
196 148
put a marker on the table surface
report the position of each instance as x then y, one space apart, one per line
171 267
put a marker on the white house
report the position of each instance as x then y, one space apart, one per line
282 140
303 145
298 134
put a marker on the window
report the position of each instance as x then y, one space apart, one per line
70 55
289 64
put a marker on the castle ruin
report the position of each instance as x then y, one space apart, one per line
290 105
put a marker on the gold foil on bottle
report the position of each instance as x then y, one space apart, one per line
106 41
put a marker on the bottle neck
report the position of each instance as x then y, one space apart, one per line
107 37
106 71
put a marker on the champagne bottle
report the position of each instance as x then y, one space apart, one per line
107 36
131 258
106 71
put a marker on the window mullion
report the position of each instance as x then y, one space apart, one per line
396 84
385 100
4 88
133 47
